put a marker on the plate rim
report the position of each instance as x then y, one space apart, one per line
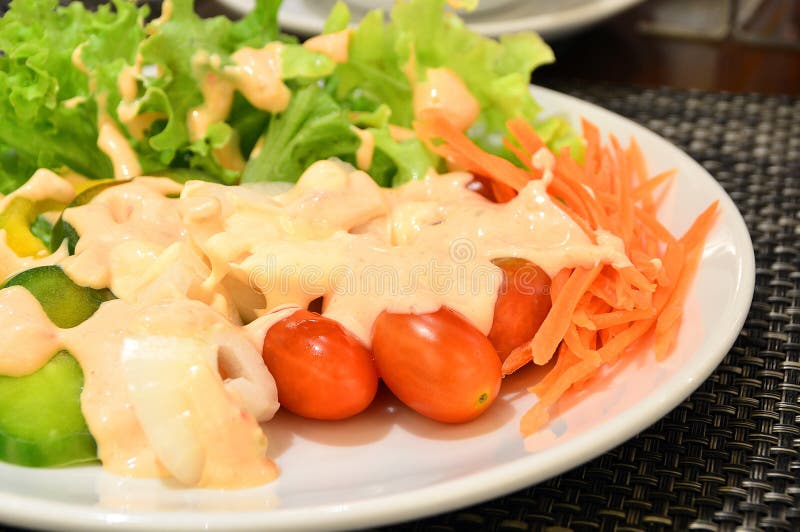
549 25
461 491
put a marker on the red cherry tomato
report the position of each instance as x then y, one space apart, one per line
437 364
522 304
321 371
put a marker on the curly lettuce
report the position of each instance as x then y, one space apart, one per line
60 72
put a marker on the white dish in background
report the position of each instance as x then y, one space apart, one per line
390 464
365 5
550 18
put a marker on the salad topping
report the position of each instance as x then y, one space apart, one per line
331 211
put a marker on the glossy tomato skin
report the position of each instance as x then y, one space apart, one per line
437 364
321 371
522 304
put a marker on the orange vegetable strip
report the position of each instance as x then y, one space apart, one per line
605 289
619 342
636 278
644 191
654 226
636 160
581 319
645 264
524 133
544 343
592 152
465 152
538 416
558 281
697 232
621 317
669 318
625 197
562 191
521 155
576 345
671 263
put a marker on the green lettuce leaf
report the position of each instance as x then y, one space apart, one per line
44 117
313 127
496 72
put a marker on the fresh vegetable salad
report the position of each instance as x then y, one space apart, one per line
206 221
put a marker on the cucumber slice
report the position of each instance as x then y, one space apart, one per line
64 302
40 416
41 423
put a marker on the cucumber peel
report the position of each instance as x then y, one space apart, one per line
41 423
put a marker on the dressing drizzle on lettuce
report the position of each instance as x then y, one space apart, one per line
62 69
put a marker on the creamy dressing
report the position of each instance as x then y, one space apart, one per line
74 102
258 76
127 81
113 143
445 92
366 149
230 155
43 185
153 395
365 249
217 101
400 133
174 383
335 45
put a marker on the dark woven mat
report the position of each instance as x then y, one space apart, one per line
727 457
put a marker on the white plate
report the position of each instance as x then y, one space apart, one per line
550 18
389 464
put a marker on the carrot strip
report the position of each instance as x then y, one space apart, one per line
558 281
576 345
525 135
463 151
636 278
544 343
539 415
669 318
617 343
522 156
621 317
654 226
644 191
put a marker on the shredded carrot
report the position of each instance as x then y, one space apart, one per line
643 191
544 343
598 314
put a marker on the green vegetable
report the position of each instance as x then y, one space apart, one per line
40 416
64 302
41 423
497 73
38 79
61 66
313 127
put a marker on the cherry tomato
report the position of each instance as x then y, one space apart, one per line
321 371
522 304
437 364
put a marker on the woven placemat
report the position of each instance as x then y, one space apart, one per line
727 457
